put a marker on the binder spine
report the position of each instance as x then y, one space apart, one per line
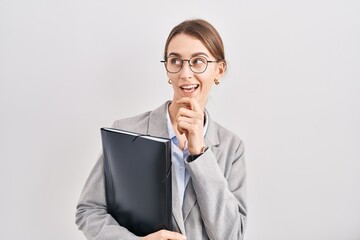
169 185
109 185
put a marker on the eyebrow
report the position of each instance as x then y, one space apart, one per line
192 55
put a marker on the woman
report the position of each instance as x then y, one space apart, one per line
208 160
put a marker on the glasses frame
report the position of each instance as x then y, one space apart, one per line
188 60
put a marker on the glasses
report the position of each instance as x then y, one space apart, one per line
197 64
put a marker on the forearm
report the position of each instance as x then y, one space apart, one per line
220 198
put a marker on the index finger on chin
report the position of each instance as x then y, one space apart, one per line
190 103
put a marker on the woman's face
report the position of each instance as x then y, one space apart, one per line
187 83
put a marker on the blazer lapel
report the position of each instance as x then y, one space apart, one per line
189 200
157 122
177 213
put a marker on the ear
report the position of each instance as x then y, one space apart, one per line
220 70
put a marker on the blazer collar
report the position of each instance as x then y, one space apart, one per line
157 122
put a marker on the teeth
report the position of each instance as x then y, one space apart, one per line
189 86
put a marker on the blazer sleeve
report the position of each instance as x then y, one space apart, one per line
91 215
220 188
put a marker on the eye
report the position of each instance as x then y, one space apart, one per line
174 61
196 61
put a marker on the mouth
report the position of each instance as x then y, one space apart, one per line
189 88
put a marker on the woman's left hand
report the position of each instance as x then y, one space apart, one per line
190 120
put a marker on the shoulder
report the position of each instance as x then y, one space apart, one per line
226 137
140 123
133 123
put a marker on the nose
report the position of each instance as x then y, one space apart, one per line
185 71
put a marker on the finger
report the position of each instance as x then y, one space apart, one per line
180 131
190 103
190 114
189 125
182 118
186 102
196 106
165 234
185 112
182 127
189 128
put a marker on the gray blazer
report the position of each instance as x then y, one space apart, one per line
214 204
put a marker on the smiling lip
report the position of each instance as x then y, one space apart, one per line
189 88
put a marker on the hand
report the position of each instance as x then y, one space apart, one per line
164 235
190 121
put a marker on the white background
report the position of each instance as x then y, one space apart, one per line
68 68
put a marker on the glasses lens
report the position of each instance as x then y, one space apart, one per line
173 64
198 64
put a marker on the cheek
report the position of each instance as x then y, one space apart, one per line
173 76
207 82
207 78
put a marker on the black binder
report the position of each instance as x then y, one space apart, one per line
137 180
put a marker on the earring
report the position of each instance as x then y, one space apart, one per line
169 81
216 81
